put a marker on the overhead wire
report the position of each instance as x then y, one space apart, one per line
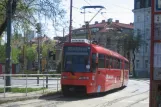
87 2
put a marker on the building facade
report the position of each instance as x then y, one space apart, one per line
142 27
106 33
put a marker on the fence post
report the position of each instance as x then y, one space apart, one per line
47 81
57 83
26 84
4 85
43 82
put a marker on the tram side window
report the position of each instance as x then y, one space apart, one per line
107 62
114 63
118 64
111 62
126 65
94 65
101 61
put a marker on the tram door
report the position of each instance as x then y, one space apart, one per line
100 73
109 73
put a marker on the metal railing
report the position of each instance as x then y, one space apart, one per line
26 77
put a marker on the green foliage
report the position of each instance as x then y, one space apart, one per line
47 46
130 42
30 53
15 55
2 53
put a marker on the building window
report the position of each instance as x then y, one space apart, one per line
138 32
138 18
139 50
146 48
146 3
147 33
137 63
137 5
146 63
147 18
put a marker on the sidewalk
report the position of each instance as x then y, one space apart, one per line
12 97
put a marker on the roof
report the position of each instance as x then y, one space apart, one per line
128 26
99 25
106 27
42 39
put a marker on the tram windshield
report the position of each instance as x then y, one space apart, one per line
76 59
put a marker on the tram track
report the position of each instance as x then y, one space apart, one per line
136 102
109 103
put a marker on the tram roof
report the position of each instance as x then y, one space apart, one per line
100 49
109 52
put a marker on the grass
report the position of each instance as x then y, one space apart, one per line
22 90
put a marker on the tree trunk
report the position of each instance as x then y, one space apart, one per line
3 26
133 61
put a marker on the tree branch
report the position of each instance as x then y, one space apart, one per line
3 26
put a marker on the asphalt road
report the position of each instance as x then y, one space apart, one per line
136 94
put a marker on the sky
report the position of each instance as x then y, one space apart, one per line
116 9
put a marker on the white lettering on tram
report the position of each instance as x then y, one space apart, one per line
109 76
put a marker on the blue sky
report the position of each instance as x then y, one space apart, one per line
117 9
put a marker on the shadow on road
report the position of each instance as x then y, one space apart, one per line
61 98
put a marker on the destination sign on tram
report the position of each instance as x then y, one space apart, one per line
77 49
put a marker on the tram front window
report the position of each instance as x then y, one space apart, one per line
76 60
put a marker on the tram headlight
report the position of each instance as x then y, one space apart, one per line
83 78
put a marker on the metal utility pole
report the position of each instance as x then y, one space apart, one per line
47 68
38 72
8 46
63 33
70 27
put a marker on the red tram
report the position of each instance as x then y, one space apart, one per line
89 68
